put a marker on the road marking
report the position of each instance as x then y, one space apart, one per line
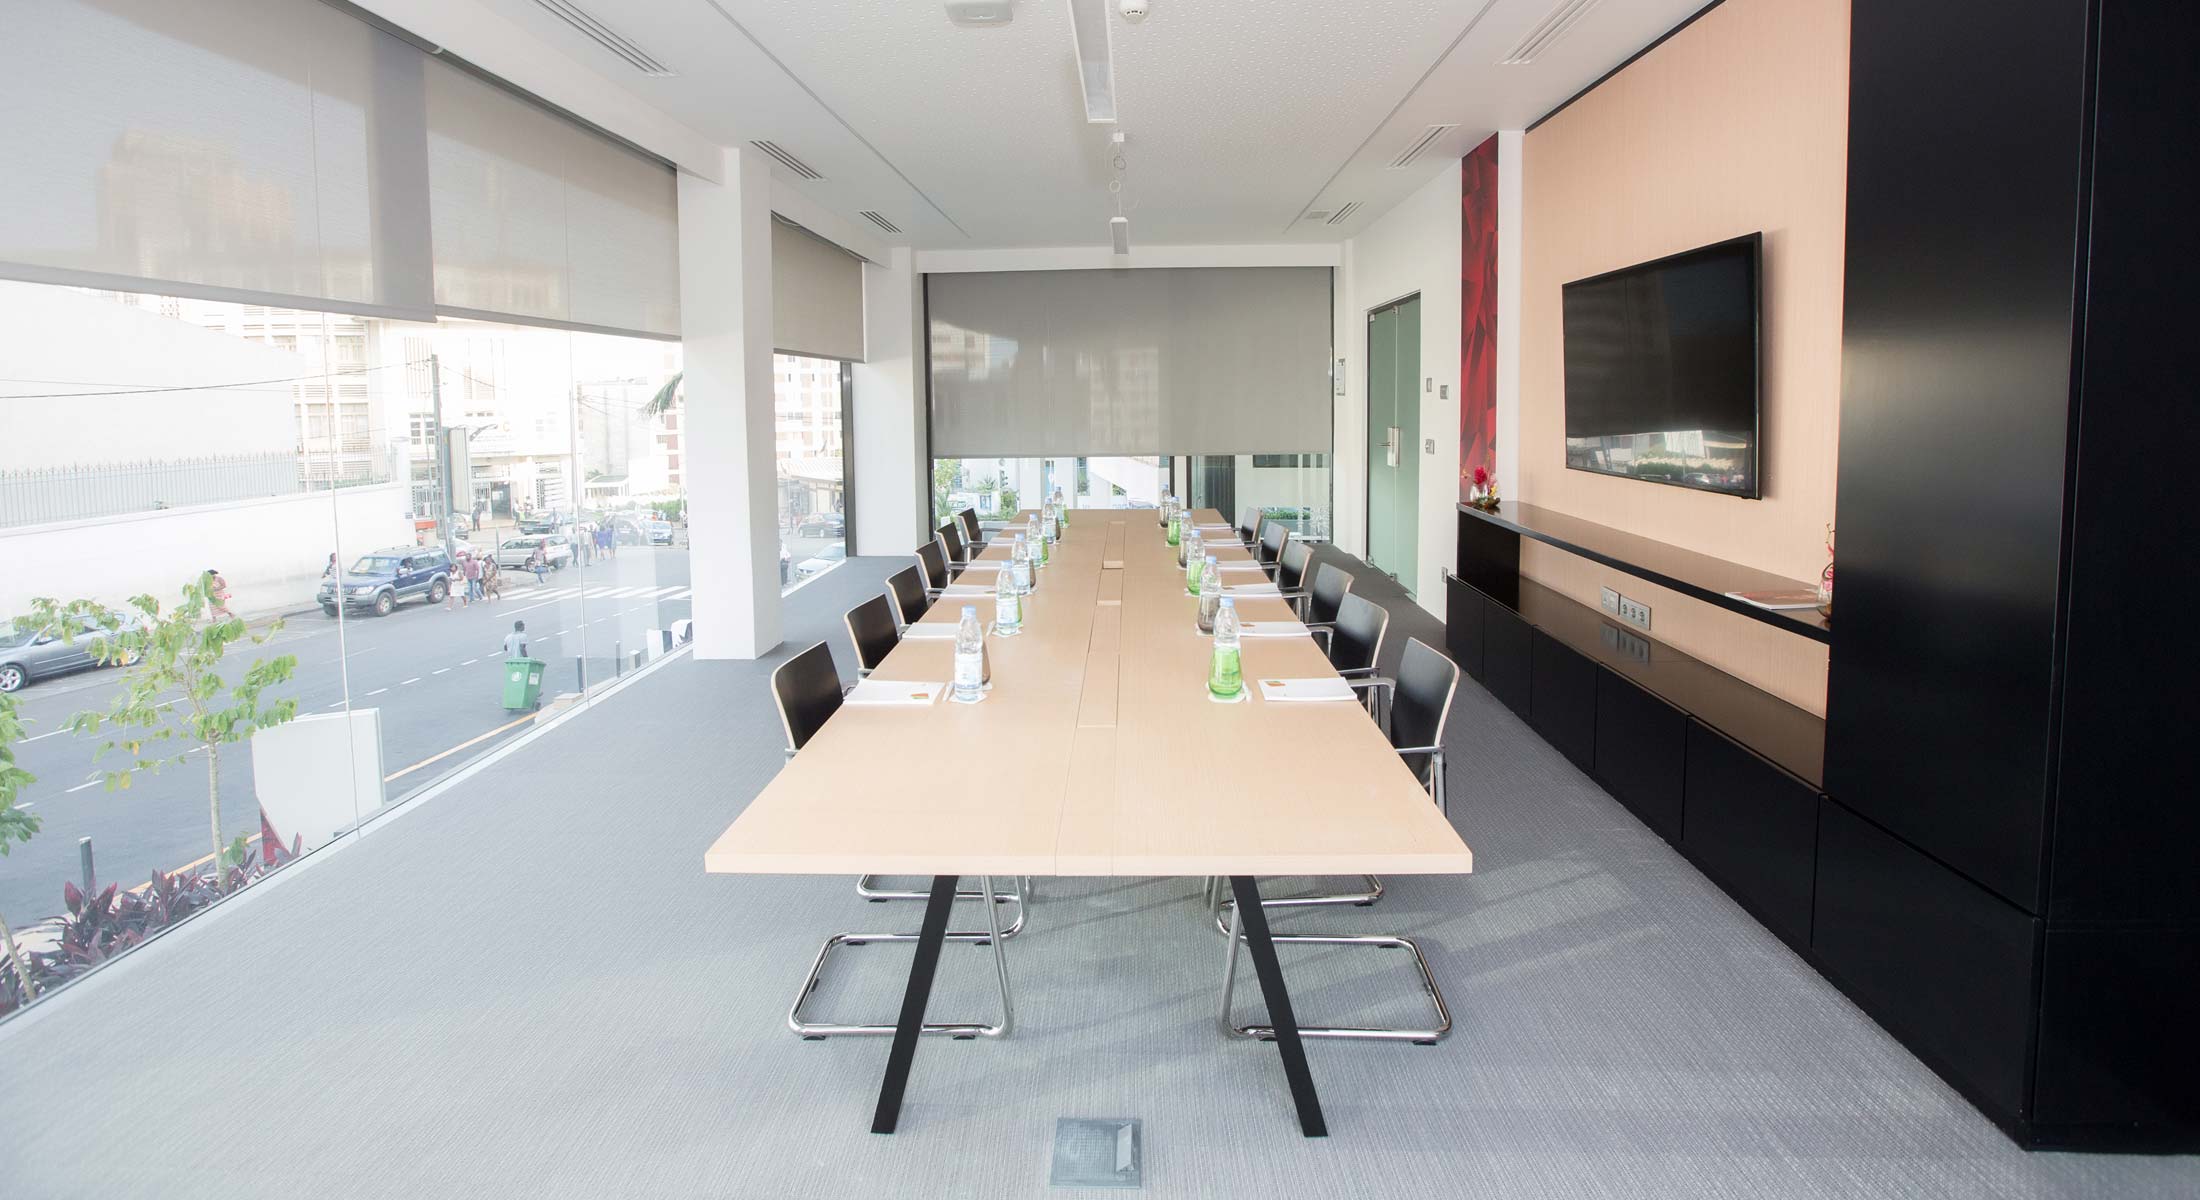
469 662
461 746
414 679
377 691
201 860
559 633
80 787
682 594
334 704
43 736
439 670
666 591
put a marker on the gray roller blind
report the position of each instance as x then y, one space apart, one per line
538 218
817 296
1211 360
259 150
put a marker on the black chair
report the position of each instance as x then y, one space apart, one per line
1414 724
951 539
1248 526
1356 643
906 589
1274 536
806 689
1291 568
871 627
972 532
933 558
1323 598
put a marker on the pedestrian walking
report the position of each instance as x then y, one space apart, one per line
472 570
329 571
515 642
453 588
492 580
217 594
538 563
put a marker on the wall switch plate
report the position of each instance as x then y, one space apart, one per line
1428 445
1338 378
1443 392
1635 613
1428 384
1609 599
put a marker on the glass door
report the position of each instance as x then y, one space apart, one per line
1394 438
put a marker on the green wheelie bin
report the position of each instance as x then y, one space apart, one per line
523 683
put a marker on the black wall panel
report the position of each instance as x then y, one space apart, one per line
1562 698
1754 829
1945 964
1505 655
1965 120
1641 752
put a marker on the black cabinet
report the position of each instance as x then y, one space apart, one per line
1506 669
1754 829
1562 698
1942 962
2117 1042
1463 624
1641 752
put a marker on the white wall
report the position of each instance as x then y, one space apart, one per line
271 551
1413 249
61 333
890 479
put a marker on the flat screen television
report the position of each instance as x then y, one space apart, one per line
1662 370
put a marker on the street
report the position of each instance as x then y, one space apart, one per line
434 674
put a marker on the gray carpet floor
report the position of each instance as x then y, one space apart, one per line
530 988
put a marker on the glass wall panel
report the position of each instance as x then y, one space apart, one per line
809 408
356 512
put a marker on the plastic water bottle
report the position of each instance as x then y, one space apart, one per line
1166 501
1225 678
1038 536
969 657
1189 552
1060 506
1210 594
1008 605
1176 523
1019 565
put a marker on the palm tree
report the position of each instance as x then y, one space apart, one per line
666 397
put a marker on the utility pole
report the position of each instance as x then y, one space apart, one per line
442 446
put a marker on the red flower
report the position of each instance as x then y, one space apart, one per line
1481 477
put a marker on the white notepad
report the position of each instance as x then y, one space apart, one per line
1249 589
1272 629
937 630
1305 689
965 591
894 691
1254 568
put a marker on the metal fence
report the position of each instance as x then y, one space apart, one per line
77 492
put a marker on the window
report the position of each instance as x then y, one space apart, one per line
809 406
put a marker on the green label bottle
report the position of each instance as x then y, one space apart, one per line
1176 528
1225 676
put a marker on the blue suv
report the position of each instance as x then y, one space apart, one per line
379 580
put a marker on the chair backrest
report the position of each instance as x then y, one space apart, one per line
1291 567
906 589
807 690
971 532
1358 641
1422 703
1248 521
1332 584
934 561
1274 536
871 627
951 536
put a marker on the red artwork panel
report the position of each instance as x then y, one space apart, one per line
1477 313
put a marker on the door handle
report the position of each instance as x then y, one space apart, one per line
1390 447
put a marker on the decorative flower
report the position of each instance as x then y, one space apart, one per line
1481 477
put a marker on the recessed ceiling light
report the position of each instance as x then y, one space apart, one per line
1093 41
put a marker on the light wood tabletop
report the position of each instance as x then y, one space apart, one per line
1098 751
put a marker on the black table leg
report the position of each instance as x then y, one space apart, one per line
930 935
1255 923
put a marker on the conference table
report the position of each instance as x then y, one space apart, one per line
1099 713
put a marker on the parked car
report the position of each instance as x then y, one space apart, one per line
830 524
659 530
544 523
29 655
379 580
556 551
828 558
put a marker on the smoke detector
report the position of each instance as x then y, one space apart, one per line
976 14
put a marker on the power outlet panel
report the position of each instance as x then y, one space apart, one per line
1635 613
1609 599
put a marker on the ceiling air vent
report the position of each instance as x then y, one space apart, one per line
879 221
1318 214
1421 143
1344 214
1547 32
787 160
603 35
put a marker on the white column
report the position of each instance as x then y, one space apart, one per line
891 479
1510 168
726 351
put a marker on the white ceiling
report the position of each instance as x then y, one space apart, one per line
1240 116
